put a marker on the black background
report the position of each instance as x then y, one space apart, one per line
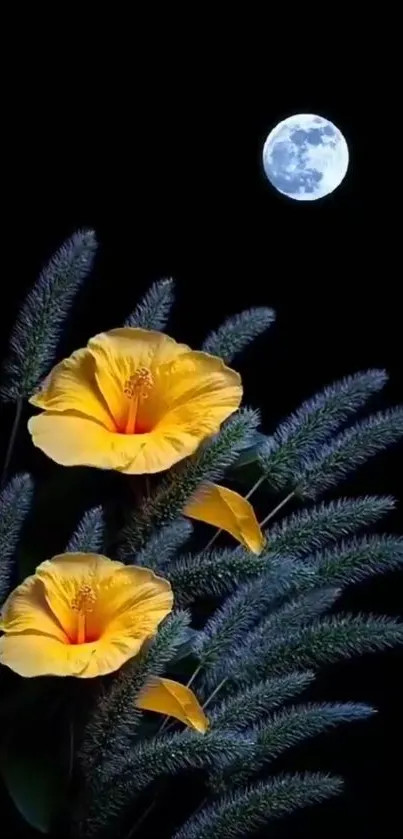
165 164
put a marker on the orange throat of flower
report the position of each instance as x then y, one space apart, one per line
137 388
83 604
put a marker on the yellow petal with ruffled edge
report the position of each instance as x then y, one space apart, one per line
133 400
81 614
229 511
165 696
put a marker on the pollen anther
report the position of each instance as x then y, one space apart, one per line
139 384
84 600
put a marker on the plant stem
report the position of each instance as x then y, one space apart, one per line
140 820
278 508
14 431
202 803
215 691
194 675
255 486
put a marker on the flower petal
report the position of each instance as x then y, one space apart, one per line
38 655
175 700
122 607
133 602
129 600
119 353
64 575
158 450
27 610
71 386
76 441
227 510
200 393
94 419
108 655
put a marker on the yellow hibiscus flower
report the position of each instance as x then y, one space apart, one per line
229 511
133 400
85 615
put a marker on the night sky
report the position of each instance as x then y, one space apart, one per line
166 167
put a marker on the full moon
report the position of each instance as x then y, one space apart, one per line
305 157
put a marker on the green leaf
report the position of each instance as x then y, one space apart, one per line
35 767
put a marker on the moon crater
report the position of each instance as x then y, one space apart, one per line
305 157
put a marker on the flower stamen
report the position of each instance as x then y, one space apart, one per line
83 603
137 387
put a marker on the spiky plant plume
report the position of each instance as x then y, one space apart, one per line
248 631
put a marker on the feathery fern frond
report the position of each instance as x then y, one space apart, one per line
300 611
237 815
252 704
154 309
175 752
312 424
308 530
329 640
89 536
284 730
280 623
349 450
175 490
214 572
226 629
154 758
238 331
161 546
37 330
15 502
357 559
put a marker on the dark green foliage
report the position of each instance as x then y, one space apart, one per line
312 528
155 758
299 436
39 324
254 703
175 490
346 452
282 731
35 763
90 533
326 641
238 814
161 546
154 309
15 502
238 331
